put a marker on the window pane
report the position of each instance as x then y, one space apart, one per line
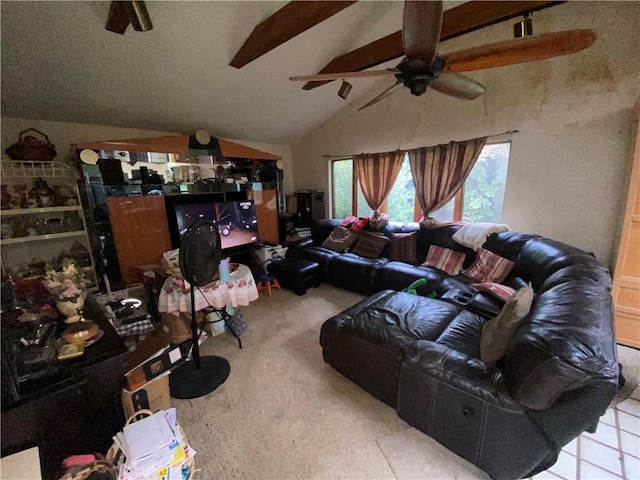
485 185
402 197
445 214
342 184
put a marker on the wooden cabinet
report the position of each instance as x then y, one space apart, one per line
266 203
626 279
140 232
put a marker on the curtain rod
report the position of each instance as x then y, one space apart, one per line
349 157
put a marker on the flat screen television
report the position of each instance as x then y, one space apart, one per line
236 221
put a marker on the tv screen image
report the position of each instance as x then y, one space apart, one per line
236 221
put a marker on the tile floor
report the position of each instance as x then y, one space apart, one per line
613 452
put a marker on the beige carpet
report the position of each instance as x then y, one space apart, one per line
285 414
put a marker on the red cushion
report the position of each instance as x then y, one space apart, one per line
445 259
501 292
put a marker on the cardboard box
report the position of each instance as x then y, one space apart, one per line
153 395
269 254
150 359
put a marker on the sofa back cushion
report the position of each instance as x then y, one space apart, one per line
567 341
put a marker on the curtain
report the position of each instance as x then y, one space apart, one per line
376 173
439 172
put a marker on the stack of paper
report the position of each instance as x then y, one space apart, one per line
154 448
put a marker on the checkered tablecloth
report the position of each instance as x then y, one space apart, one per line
136 328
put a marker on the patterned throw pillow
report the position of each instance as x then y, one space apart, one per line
370 245
404 248
501 292
445 259
340 239
489 267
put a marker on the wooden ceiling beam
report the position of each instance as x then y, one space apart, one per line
291 20
465 18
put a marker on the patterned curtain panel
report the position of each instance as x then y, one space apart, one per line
376 173
439 172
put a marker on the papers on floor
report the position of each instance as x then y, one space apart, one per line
154 448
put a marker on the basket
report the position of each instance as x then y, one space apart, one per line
99 466
29 147
115 455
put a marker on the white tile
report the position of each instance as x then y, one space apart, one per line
571 447
629 423
605 434
591 472
630 443
630 405
601 455
636 394
609 417
566 466
631 466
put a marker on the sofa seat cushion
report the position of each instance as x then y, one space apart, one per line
398 276
366 342
353 272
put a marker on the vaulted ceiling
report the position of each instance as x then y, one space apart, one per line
59 63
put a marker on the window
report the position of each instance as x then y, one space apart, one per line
481 198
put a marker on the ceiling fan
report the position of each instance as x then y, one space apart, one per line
123 13
422 67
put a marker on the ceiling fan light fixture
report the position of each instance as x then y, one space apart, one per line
138 15
345 89
523 28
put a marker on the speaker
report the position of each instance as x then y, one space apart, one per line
317 204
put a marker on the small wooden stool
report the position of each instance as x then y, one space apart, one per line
267 281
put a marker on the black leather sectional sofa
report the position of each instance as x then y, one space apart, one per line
421 355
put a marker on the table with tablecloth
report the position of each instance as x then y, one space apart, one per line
174 302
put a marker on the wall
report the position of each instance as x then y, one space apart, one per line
570 162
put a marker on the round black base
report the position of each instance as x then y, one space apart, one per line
187 382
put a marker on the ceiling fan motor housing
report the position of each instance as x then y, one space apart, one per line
417 74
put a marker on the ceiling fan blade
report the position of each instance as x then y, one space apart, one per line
118 19
340 76
421 26
521 50
389 91
458 86
457 21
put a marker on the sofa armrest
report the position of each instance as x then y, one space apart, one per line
303 242
459 370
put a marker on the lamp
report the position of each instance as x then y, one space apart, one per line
523 28
345 88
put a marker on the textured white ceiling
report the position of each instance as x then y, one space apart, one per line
59 63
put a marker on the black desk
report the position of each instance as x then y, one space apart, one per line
76 409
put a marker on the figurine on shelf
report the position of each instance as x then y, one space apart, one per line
43 193
67 287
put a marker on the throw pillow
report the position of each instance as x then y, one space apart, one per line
489 267
445 259
297 234
340 239
370 245
498 332
404 248
501 292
